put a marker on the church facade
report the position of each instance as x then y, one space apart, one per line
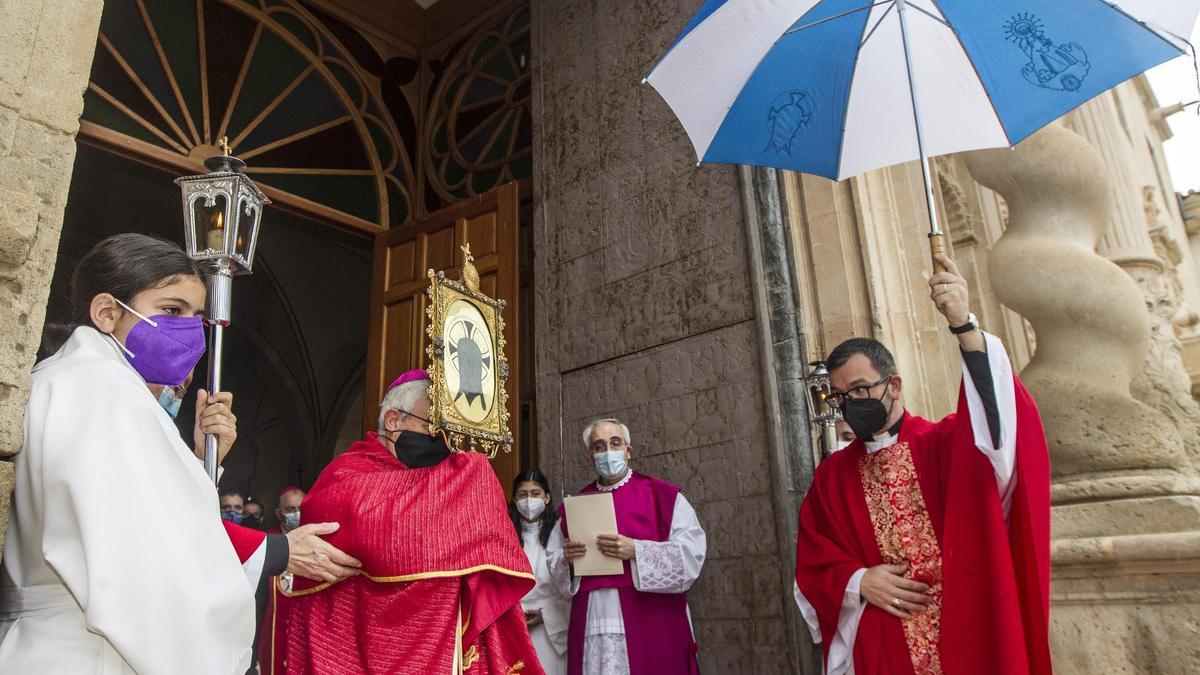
685 300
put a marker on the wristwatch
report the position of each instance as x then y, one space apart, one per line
971 324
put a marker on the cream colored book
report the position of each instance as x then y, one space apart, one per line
589 516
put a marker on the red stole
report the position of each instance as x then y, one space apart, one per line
437 547
931 500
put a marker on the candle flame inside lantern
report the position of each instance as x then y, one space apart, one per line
216 231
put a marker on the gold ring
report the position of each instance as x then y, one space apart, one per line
896 602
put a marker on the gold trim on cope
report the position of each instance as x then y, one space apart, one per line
417 577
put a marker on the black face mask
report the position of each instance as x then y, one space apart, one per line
867 416
419 450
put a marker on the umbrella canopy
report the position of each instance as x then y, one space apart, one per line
827 86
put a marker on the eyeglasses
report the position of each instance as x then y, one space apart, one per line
857 393
615 443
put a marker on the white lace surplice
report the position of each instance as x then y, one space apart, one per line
670 566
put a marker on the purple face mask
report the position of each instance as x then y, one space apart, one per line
165 348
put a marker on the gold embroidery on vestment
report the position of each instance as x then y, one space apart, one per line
469 658
518 666
905 535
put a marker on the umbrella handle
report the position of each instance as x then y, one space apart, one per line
937 244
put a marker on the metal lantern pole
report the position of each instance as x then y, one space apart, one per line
218 277
222 211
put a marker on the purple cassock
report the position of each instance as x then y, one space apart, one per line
658 635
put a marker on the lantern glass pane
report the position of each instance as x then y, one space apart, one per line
247 228
209 222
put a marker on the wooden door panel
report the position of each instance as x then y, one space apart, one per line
397 337
402 264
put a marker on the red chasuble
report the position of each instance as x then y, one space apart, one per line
443 573
931 501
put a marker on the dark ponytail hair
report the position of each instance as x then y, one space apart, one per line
123 265
549 517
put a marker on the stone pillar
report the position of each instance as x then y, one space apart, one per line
1164 382
44 68
1126 515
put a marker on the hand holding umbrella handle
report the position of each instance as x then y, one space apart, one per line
937 244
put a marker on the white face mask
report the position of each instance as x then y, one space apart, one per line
842 445
611 464
290 521
531 508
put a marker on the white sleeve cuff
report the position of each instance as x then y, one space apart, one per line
841 648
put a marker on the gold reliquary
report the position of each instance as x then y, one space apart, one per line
467 363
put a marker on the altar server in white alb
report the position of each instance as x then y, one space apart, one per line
548 606
93 582
636 622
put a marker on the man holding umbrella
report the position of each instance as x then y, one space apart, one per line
925 545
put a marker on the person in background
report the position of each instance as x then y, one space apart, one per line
233 506
845 435
288 511
254 514
547 607
272 630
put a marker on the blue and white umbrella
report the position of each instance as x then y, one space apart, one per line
839 87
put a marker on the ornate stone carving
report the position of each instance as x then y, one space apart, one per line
961 219
1165 383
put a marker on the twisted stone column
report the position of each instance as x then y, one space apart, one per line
1126 515
1092 328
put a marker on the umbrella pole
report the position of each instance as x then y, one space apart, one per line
937 240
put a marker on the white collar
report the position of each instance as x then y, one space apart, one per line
535 525
881 441
614 486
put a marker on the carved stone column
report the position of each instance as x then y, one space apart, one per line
1126 516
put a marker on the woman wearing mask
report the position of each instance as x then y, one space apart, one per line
86 589
547 609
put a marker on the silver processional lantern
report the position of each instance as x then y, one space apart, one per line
823 414
222 211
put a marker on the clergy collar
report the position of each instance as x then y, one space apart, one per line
609 488
887 437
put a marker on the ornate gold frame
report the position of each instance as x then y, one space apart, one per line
491 434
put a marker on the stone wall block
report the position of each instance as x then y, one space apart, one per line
46 59
44 67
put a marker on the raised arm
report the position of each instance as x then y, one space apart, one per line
987 377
